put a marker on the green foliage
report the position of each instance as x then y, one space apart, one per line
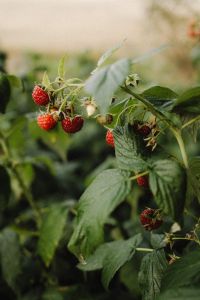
167 183
194 178
14 81
180 294
10 257
110 257
5 92
189 101
185 271
43 174
128 149
51 232
152 270
104 82
61 68
104 194
161 97
5 189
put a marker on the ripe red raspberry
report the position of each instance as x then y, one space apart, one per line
143 181
40 97
72 125
151 219
46 121
110 139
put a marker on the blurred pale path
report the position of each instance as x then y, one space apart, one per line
75 25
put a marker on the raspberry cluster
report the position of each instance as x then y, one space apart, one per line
48 120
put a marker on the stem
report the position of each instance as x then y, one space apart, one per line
180 238
79 85
186 239
152 109
144 249
190 122
138 175
162 117
65 101
181 144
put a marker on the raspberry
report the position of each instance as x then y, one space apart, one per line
143 181
72 125
110 139
141 128
150 219
46 121
144 130
40 97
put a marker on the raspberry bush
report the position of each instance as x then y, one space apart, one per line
137 222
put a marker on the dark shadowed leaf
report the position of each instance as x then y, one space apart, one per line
5 92
5 188
110 257
151 272
190 293
10 257
189 101
182 272
194 178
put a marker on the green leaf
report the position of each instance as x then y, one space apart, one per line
107 54
14 81
110 257
158 240
194 127
51 232
129 149
151 272
61 68
5 92
52 294
189 101
182 272
5 188
10 257
190 293
46 81
149 54
105 81
167 183
194 178
104 194
160 97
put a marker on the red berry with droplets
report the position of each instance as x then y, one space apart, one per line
46 121
72 125
151 219
40 97
110 139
